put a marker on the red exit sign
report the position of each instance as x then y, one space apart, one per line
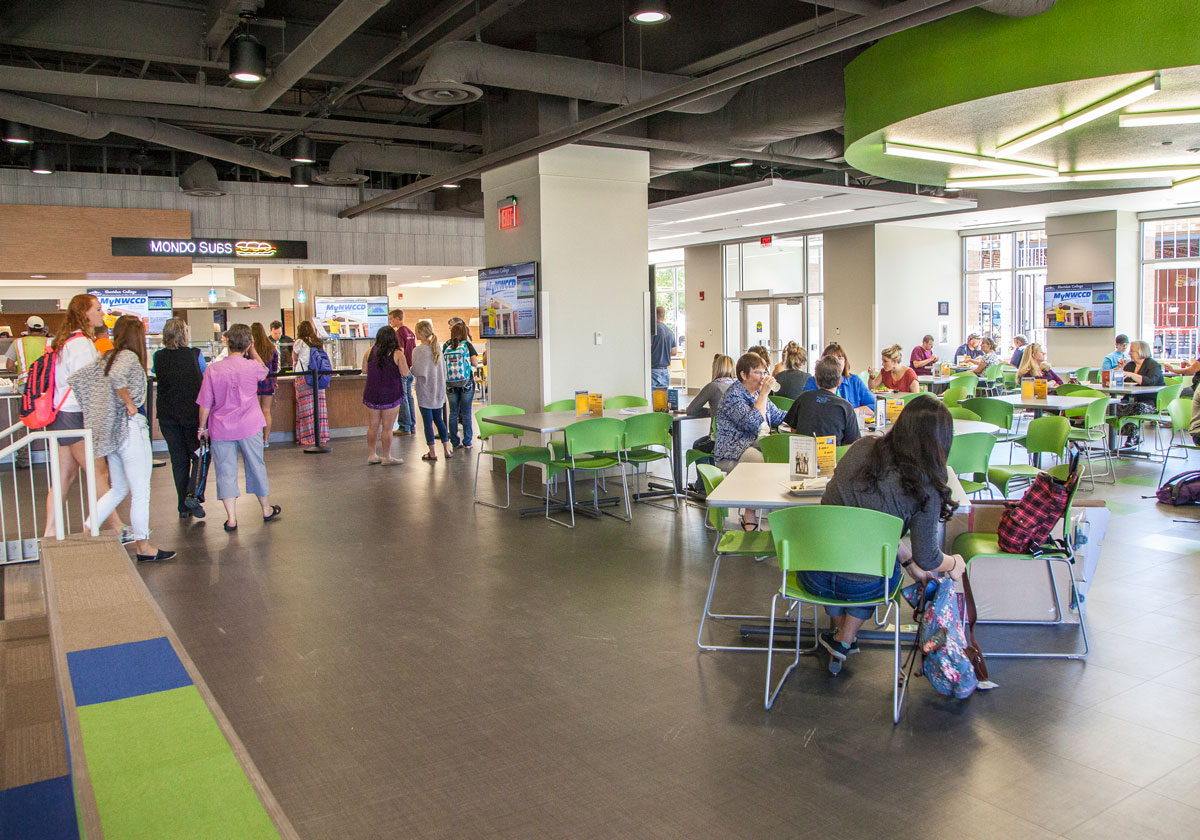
765 240
508 213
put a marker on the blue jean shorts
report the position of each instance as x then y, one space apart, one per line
848 588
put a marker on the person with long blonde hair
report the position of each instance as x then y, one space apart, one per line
312 420
266 350
790 373
1034 365
429 386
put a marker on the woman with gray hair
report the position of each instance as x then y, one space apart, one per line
232 419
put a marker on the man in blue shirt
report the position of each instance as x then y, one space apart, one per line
1117 358
970 349
1019 342
662 348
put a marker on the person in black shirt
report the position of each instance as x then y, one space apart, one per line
178 372
822 412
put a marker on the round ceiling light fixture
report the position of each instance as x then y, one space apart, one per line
653 11
439 92
247 59
302 150
43 162
302 175
15 132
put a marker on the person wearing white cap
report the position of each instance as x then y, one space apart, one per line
23 352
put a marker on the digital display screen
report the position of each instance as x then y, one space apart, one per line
508 297
350 317
152 306
1079 305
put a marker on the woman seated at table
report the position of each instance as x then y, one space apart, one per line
894 376
902 474
1141 370
1033 366
990 357
708 402
743 412
790 373
853 390
1192 369
762 353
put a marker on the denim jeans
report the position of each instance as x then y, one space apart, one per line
660 377
848 588
460 412
430 416
129 474
406 420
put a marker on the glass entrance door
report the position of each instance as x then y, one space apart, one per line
773 322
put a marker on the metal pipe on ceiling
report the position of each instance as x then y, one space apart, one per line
853 34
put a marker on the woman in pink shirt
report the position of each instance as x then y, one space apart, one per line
231 418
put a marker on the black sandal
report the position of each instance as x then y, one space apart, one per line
747 526
275 511
229 528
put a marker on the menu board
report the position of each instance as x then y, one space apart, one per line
152 306
508 301
350 317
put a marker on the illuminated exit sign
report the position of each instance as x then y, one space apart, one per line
508 213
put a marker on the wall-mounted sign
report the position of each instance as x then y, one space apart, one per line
152 306
766 241
943 307
244 248
508 213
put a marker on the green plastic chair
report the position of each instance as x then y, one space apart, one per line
845 540
1093 377
977 546
647 440
625 401
1069 389
997 412
839 451
560 405
729 543
1173 380
593 445
1046 435
1092 430
992 378
1162 401
960 413
782 403
776 448
971 454
513 457
953 396
1009 376
1180 412
967 381
1083 373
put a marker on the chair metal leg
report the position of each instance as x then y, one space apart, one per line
570 474
899 678
708 613
769 696
507 486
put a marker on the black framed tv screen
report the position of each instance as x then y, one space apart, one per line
508 301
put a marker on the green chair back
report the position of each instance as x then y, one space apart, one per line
653 429
1094 377
560 405
832 538
960 413
1168 395
712 477
486 429
997 412
1069 389
782 403
625 401
839 451
971 454
1173 380
865 377
776 448
1081 391
1009 374
595 435
953 396
967 381
1083 373
1180 412
1093 413
1048 434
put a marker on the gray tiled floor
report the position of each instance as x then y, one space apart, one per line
401 663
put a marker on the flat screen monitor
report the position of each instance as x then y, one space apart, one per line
1079 305
508 301
152 306
350 317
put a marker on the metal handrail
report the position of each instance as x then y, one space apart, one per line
56 490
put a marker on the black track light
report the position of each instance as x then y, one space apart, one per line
302 175
247 59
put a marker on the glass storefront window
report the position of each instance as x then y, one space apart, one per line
816 264
1170 282
999 301
778 267
669 294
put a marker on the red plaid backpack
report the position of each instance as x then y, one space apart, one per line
1026 525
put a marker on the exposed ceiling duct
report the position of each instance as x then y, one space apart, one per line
200 180
332 31
95 126
348 159
453 70
1018 8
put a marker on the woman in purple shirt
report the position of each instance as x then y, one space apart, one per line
231 418
383 394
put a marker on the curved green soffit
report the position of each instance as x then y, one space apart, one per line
976 54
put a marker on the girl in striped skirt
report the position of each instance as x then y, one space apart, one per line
310 406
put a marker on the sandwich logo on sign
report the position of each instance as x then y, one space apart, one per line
250 248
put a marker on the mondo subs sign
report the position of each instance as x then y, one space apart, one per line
245 248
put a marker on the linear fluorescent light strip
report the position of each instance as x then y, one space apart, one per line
1003 181
945 156
797 218
1093 112
1182 117
1188 186
679 235
725 213
1135 172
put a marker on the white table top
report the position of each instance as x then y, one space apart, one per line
1127 389
1051 403
556 421
967 427
938 379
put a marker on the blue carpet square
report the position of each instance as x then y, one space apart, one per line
39 811
129 670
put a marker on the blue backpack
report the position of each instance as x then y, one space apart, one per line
318 361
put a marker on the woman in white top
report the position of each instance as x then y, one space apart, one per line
73 344
429 386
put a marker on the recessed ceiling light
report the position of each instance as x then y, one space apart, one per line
37 276
426 275
1183 117
679 235
726 213
798 218
946 156
1003 181
652 11
1086 115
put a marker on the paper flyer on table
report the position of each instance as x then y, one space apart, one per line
802 457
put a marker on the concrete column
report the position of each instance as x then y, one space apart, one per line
1094 248
850 293
583 219
704 275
